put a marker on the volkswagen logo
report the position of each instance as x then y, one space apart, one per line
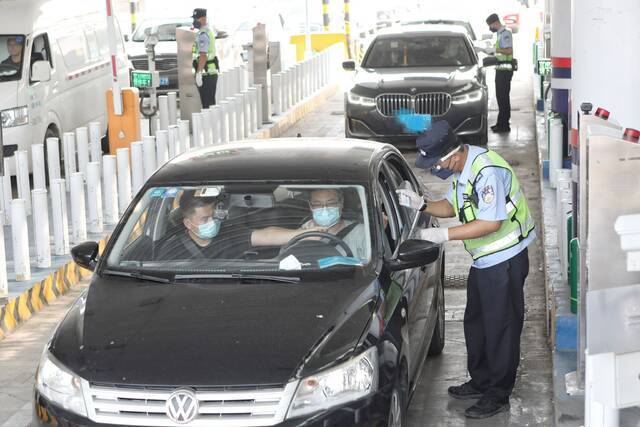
182 406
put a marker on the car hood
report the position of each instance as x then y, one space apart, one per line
132 332
8 94
163 48
447 79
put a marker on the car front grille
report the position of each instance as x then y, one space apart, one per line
434 103
228 406
162 64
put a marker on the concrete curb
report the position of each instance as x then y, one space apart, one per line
21 308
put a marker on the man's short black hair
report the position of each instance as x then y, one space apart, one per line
189 203
493 18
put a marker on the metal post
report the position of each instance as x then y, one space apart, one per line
53 158
59 215
220 87
20 240
307 31
233 128
163 112
38 169
185 138
246 98
4 285
173 108
82 144
137 167
22 175
110 189
95 141
149 154
325 15
94 197
276 93
555 150
145 127
253 99
224 121
41 227
7 191
260 113
124 179
132 11
206 127
115 87
196 122
69 150
174 141
162 141
78 209
240 116
214 119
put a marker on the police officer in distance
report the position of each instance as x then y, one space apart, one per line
496 229
503 51
205 61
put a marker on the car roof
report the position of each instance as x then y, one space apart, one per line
422 29
282 159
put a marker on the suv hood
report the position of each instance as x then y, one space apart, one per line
163 48
187 334
448 79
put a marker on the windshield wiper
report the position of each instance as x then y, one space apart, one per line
239 276
137 275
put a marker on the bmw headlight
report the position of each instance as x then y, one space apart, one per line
58 385
472 96
361 100
350 381
14 117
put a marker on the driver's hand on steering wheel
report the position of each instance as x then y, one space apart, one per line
311 226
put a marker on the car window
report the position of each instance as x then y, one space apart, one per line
390 209
235 227
418 51
166 32
11 56
401 177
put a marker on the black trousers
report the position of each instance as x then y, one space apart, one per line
493 323
503 89
208 90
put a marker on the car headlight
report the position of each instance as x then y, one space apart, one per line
59 385
473 96
361 100
350 381
15 117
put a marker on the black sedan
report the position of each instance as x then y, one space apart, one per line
253 284
425 70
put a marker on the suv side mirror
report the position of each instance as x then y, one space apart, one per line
85 255
349 65
40 71
415 253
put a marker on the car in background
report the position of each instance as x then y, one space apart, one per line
166 51
327 329
424 70
464 24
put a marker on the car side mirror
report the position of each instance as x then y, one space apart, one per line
349 65
415 253
126 37
40 71
85 255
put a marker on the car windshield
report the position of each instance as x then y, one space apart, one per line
236 228
166 31
418 51
11 54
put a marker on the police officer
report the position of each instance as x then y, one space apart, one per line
496 229
204 59
504 72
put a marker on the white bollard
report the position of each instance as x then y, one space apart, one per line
220 87
38 169
246 98
4 284
206 127
149 154
145 127
253 100
95 141
137 167
94 196
196 123
224 121
172 99
163 112
174 141
110 189
259 103
78 209
124 179
7 192
69 150
162 142
82 144
22 175
59 215
555 149
244 79
233 122
3 212
240 116
185 138
53 159
214 114
286 90
20 240
41 227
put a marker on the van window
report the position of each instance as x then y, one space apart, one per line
93 48
40 50
11 56
72 47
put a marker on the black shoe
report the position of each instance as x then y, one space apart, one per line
501 129
464 392
485 408
496 126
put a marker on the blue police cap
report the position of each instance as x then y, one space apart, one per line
435 143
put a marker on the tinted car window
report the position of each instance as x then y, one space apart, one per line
418 51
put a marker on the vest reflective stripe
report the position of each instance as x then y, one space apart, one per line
514 229
503 58
209 67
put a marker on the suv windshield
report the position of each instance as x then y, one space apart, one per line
244 228
11 54
166 32
418 51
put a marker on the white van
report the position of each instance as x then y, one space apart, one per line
54 68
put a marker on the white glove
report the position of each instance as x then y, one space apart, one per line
199 79
490 50
410 199
435 235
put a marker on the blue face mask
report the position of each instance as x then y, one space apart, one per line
326 217
441 173
209 230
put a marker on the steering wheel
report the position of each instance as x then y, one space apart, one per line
335 239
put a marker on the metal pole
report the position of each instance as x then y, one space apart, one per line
196 122
124 179
173 108
7 191
174 141
94 197
59 215
325 15
20 240
53 158
4 285
69 150
41 227
240 116
110 189
307 31
149 154
162 141
38 169
115 87
132 10
233 128
185 138
145 127
82 144
347 28
163 111
137 167
22 174
224 121
78 209
206 127
95 140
